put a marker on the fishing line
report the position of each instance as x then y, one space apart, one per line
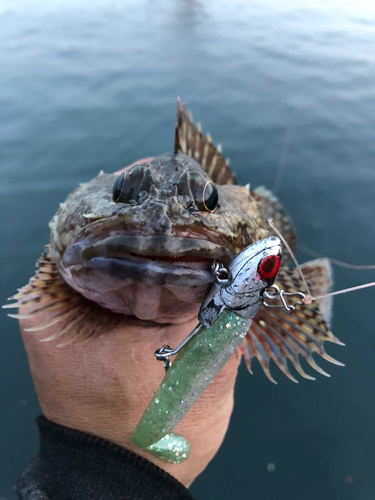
309 298
337 262
282 162
270 222
345 290
285 150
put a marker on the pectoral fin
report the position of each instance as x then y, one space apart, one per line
275 334
47 296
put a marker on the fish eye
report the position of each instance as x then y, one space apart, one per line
206 197
269 267
127 185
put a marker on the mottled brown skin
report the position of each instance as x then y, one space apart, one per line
159 209
162 222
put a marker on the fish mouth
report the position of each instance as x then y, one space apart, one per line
153 260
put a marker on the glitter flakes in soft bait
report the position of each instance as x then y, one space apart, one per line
224 319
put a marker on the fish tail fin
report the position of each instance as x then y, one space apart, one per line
275 334
190 140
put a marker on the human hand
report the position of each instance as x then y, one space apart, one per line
103 386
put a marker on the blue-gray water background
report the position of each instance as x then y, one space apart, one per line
288 89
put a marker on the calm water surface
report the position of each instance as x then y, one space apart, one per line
289 92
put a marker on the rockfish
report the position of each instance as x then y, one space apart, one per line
140 245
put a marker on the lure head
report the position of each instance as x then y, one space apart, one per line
251 272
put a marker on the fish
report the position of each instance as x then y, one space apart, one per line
141 243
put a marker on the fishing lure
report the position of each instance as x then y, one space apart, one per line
224 319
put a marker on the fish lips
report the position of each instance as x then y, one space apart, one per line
153 260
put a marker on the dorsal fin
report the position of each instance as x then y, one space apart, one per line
270 207
190 141
318 273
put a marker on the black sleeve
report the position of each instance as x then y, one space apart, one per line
73 465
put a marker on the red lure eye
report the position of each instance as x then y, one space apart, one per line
269 267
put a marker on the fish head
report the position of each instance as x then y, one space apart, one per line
142 242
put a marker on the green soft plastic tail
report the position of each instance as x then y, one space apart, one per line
193 369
